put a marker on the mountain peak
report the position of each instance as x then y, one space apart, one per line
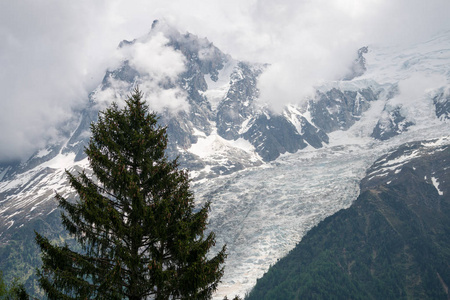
164 27
217 125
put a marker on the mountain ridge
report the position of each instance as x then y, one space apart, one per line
301 165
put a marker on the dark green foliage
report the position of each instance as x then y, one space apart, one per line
19 257
392 243
13 291
135 219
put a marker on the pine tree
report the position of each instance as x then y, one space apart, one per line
140 233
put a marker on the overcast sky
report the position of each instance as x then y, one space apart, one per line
53 52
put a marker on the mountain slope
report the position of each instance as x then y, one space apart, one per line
392 243
215 123
270 177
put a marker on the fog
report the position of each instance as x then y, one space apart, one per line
53 53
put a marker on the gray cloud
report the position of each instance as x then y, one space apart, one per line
158 65
53 53
49 60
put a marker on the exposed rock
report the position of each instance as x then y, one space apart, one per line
391 123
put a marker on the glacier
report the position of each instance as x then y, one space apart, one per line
262 213
260 207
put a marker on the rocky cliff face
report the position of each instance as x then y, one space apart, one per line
339 110
391 123
442 103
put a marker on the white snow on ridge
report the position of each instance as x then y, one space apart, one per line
3 173
36 187
393 64
445 140
61 161
436 185
293 114
42 153
209 147
354 85
400 161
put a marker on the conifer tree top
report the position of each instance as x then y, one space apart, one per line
134 219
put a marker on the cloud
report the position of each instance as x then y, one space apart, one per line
413 89
54 53
310 42
47 53
158 66
415 96
153 58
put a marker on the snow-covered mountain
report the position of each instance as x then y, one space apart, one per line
270 177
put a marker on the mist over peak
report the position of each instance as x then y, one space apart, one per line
54 55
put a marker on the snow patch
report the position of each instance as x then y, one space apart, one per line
445 140
213 144
399 161
11 223
42 153
217 90
3 173
61 161
436 185
245 126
